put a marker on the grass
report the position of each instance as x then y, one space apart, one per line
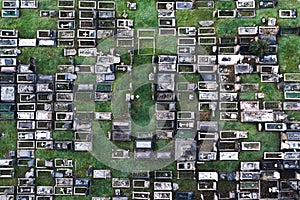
47 60
192 17
191 77
183 102
103 106
28 24
250 96
44 55
63 135
166 45
288 59
230 26
225 5
187 185
146 33
81 161
45 181
147 46
124 54
225 186
119 105
161 144
142 67
219 166
8 143
271 92
250 78
106 44
142 108
86 79
85 61
266 145
294 114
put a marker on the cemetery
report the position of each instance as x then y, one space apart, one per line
149 99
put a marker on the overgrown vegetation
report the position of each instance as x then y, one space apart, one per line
259 48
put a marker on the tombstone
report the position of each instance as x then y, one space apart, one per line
14 13
206 23
48 13
131 6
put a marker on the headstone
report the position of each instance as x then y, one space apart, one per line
206 23
272 21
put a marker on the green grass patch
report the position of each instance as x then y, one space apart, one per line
142 67
295 114
120 107
86 79
250 96
146 46
125 145
166 45
220 166
124 53
271 92
63 135
160 144
141 108
192 77
45 181
192 17
230 26
289 54
250 78
187 185
9 141
288 4
48 58
267 13
103 106
225 5
106 44
81 60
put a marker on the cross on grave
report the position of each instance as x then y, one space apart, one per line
85 34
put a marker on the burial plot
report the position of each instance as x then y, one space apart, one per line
66 3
